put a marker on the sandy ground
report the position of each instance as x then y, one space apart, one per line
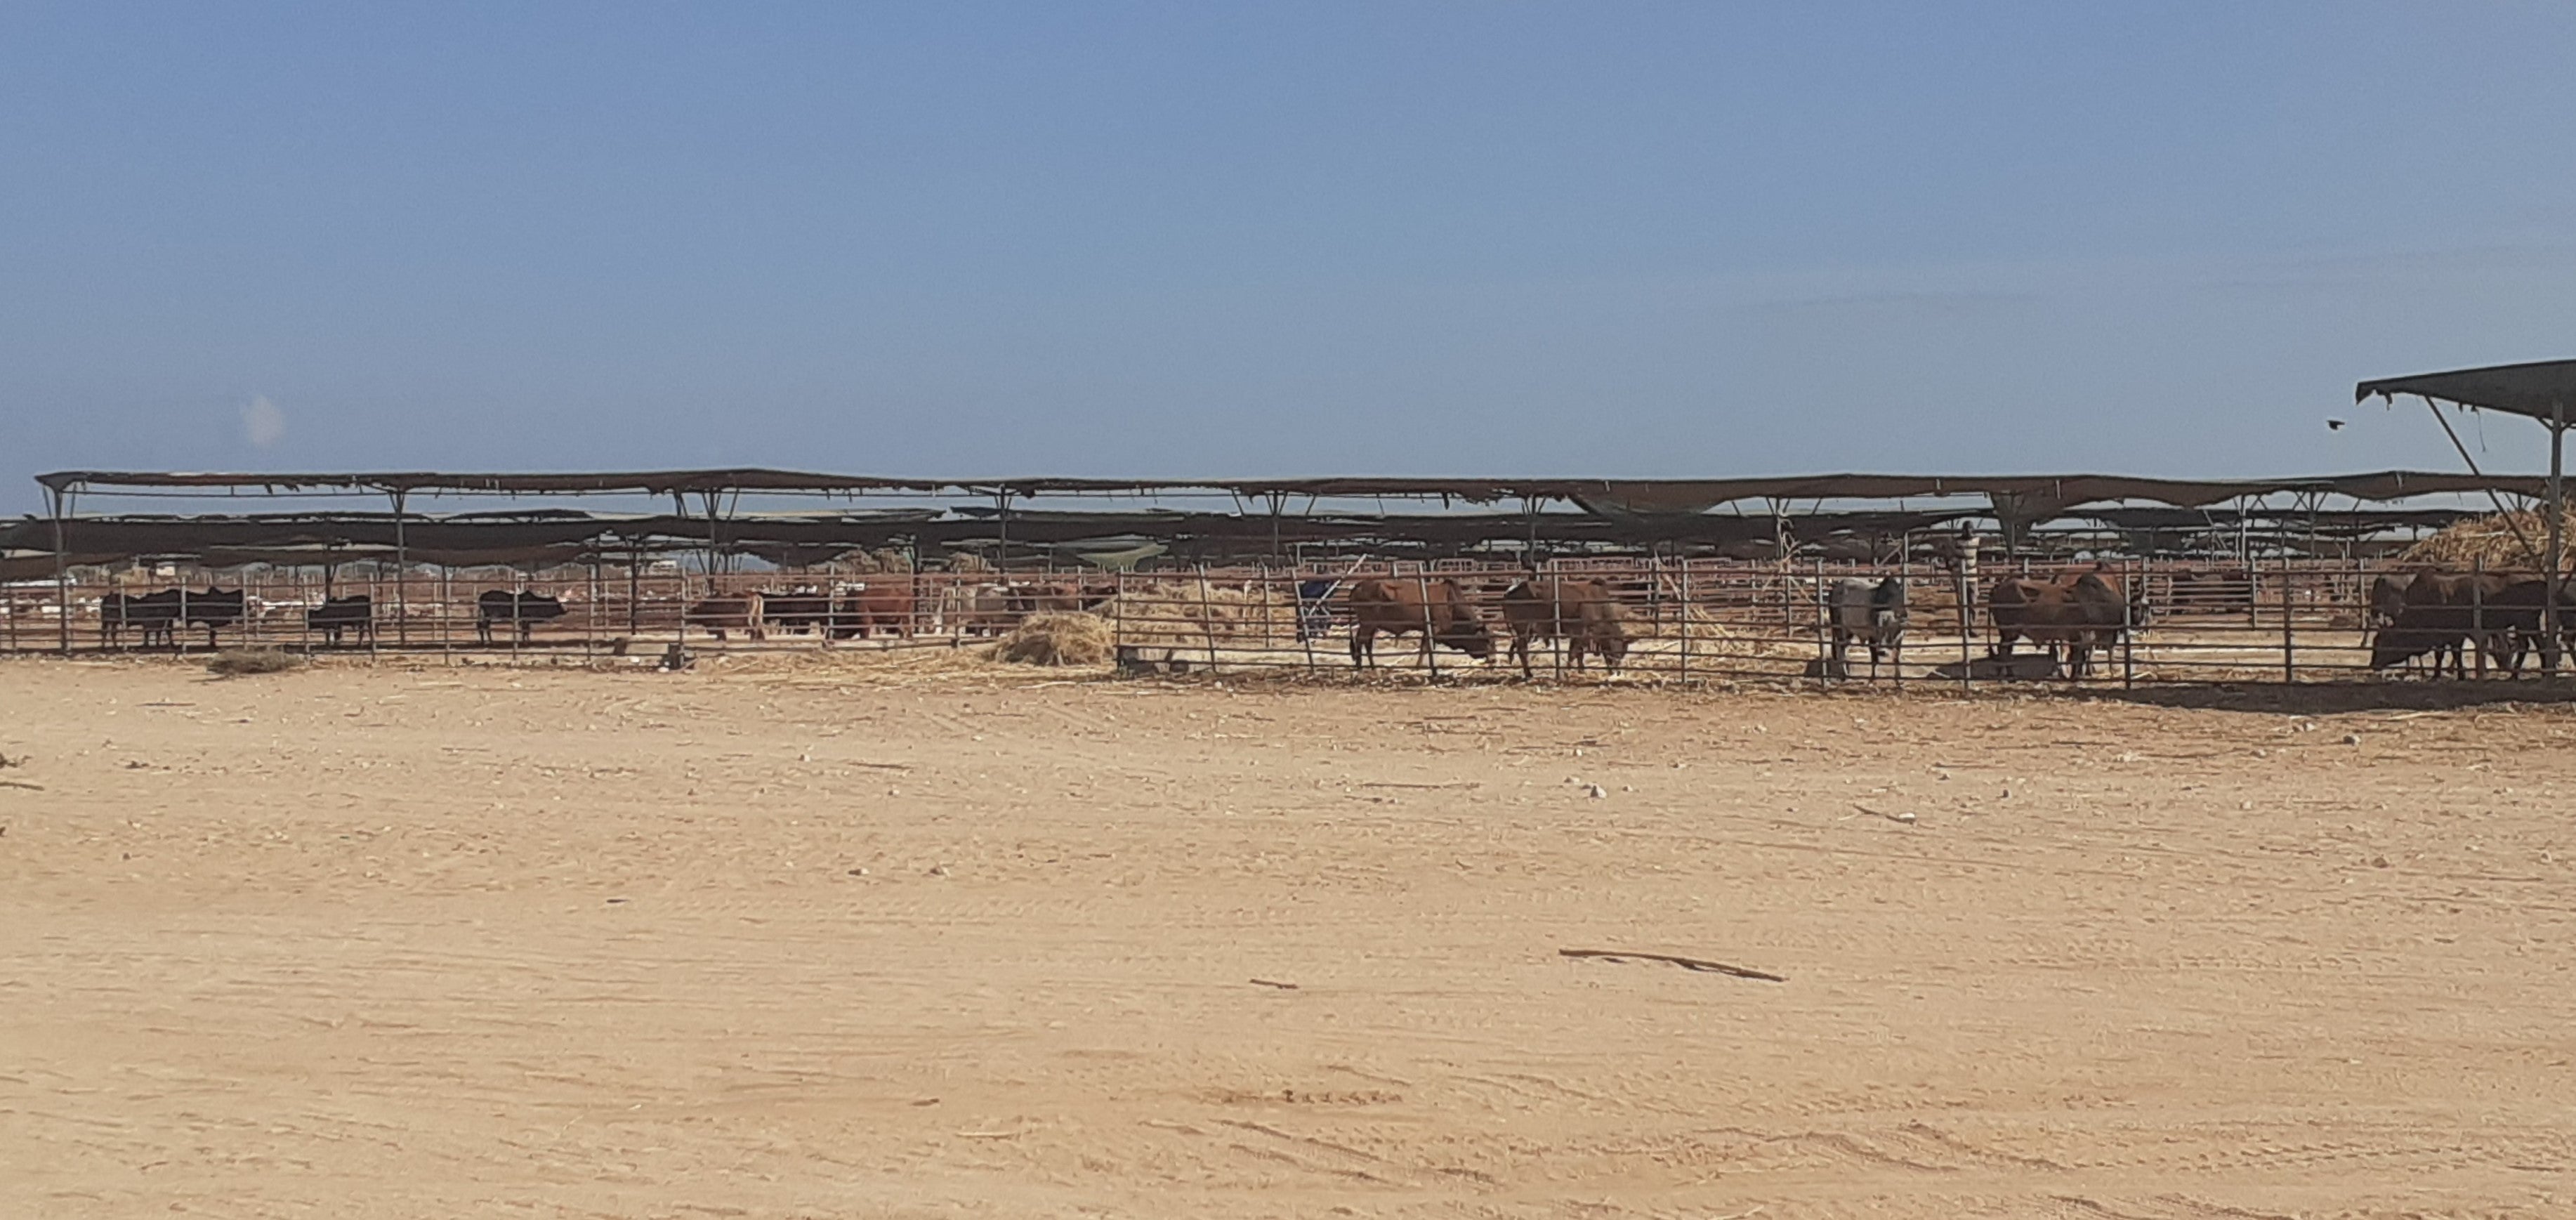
428 942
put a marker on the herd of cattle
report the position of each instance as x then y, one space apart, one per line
2431 620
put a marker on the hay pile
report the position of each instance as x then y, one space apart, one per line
235 662
968 561
1057 639
1190 615
884 559
2489 542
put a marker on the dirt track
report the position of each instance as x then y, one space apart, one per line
434 943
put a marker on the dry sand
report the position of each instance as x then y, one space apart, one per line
432 942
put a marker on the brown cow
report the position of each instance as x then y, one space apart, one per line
2500 613
718 615
2082 612
1581 612
1397 606
872 606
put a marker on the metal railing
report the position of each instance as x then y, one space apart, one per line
1699 620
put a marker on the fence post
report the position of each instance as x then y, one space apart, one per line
2289 629
2477 613
1686 617
1117 612
1824 612
2130 590
1904 578
1430 649
1207 615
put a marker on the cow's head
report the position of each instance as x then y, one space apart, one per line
1468 634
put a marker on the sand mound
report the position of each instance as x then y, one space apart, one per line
2489 542
1057 639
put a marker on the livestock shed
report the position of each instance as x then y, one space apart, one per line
1712 577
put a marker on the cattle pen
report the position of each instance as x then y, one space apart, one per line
1707 580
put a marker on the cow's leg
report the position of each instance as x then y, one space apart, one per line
1363 645
1521 650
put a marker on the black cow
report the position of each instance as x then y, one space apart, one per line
338 615
522 609
156 615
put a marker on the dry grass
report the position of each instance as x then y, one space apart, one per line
1057 639
1190 615
2489 542
236 662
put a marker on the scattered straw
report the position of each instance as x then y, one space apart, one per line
1057 639
235 662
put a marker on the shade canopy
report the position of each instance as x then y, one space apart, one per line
2029 496
2540 389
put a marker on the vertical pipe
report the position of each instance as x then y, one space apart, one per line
1117 612
1002 544
1824 626
402 575
1904 578
2130 589
2289 633
1686 617
1207 615
55 501
1308 628
2549 635
2478 612
1967 620
1430 649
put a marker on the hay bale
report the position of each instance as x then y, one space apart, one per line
968 561
235 662
890 559
1056 639
2489 542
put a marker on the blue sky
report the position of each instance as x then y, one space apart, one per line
1615 239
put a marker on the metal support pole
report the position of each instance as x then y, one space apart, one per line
402 577
1430 652
2289 637
57 502
2130 590
1967 622
1002 536
2549 638
1207 614
1686 617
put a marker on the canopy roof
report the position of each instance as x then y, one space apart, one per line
2537 389
2021 495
